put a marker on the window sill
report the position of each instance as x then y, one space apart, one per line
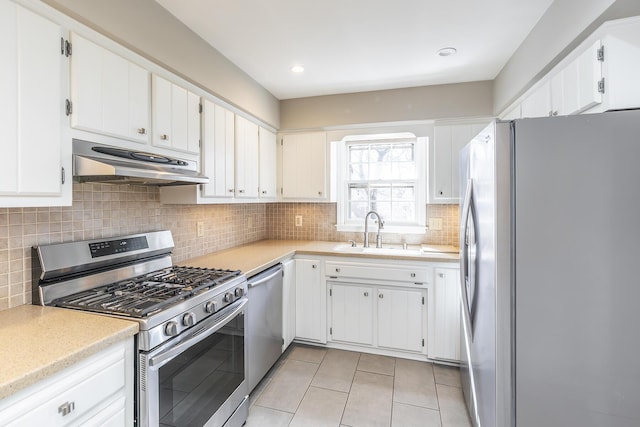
388 229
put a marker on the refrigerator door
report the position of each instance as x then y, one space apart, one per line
577 199
477 276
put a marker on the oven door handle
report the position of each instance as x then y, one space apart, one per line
195 338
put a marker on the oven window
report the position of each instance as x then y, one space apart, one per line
197 382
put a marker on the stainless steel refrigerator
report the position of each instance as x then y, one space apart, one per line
550 272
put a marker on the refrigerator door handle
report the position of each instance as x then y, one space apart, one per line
464 254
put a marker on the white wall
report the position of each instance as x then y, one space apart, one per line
396 105
149 30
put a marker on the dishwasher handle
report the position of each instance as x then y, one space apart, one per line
265 276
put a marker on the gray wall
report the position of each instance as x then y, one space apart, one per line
565 24
419 103
149 30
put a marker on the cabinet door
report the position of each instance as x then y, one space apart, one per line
218 150
401 319
538 103
351 313
311 318
288 302
304 166
110 94
246 158
31 112
446 319
268 164
441 162
161 109
460 136
589 74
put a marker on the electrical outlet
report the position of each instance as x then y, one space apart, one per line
200 228
298 220
435 224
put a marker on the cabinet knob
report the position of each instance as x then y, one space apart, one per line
380 296
66 408
441 275
441 193
264 191
319 193
164 137
241 191
555 113
314 266
337 270
413 274
230 190
142 131
366 294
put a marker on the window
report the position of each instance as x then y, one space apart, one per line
386 174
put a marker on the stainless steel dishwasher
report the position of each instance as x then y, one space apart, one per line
264 318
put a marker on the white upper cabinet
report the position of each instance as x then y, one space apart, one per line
33 82
175 115
218 150
538 102
268 163
444 153
304 166
247 162
109 94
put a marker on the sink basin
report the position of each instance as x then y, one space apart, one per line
347 248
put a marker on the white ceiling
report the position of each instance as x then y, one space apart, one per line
360 45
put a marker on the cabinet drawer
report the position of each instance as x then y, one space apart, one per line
380 273
77 393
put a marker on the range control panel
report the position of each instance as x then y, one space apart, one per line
110 247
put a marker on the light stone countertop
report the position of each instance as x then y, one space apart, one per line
258 256
36 342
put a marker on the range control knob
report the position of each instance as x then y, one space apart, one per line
189 319
171 328
239 292
211 306
228 297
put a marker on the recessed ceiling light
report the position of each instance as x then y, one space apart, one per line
447 51
297 69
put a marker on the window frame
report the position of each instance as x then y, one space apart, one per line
342 183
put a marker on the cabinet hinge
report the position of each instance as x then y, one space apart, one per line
200 108
600 54
68 48
68 107
61 45
281 190
330 292
422 300
423 342
601 85
281 144
330 331
63 177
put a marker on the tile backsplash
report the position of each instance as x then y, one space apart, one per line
106 210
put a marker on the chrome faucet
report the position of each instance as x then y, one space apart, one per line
366 229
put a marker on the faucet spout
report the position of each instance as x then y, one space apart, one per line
366 229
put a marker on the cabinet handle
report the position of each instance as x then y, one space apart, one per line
441 193
441 275
164 137
366 294
555 113
337 270
380 296
314 266
264 191
413 274
319 193
66 408
230 190
241 191
142 131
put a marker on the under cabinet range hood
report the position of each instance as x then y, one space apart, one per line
93 162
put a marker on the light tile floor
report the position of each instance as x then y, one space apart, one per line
312 386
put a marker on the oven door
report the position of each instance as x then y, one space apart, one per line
198 378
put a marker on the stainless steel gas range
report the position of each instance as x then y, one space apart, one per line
191 352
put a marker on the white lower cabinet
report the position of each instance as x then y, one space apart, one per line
311 301
288 302
95 391
445 315
352 314
401 319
